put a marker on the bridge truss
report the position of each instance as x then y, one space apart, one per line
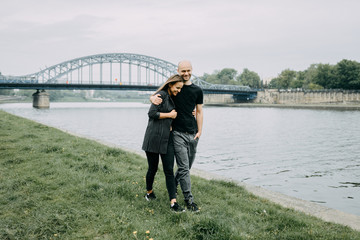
111 69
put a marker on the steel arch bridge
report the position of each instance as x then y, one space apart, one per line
61 71
110 71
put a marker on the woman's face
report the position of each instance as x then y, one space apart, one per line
175 88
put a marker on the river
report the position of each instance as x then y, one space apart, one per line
309 154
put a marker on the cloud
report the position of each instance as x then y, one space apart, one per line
264 36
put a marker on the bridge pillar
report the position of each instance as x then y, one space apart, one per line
41 99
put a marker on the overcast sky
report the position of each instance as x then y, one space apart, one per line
265 36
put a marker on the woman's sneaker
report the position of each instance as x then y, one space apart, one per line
177 208
150 196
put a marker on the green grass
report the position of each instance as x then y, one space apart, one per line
57 186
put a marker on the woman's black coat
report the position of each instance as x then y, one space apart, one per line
158 130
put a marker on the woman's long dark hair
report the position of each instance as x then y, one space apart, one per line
173 79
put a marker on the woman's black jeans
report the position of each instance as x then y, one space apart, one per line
168 167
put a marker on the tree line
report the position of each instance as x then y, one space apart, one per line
343 75
229 76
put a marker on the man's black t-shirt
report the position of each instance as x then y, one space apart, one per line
185 102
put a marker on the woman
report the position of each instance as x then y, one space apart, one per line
157 138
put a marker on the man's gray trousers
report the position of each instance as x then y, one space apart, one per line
185 150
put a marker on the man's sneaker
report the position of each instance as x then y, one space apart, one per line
177 208
191 206
150 196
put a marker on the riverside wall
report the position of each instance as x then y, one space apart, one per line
291 97
274 96
218 98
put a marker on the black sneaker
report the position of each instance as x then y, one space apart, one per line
150 196
177 208
191 206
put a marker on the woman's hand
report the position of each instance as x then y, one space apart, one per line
173 114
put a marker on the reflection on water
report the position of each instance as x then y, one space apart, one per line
310 154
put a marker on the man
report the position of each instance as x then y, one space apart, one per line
186 130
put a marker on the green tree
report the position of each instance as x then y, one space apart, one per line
325 75
273 83
319 75
298 81
211 78
249 78
309 75
314 86
284 79
227 76
347 75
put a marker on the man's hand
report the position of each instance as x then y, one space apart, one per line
199 120
197 136
156 99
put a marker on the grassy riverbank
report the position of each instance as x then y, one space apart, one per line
57 186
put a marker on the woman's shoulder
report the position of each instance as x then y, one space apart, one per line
163 94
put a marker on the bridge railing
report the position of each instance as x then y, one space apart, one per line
13 79
198 81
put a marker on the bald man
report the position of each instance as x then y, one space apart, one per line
187 130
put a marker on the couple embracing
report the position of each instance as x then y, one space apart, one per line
173 132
